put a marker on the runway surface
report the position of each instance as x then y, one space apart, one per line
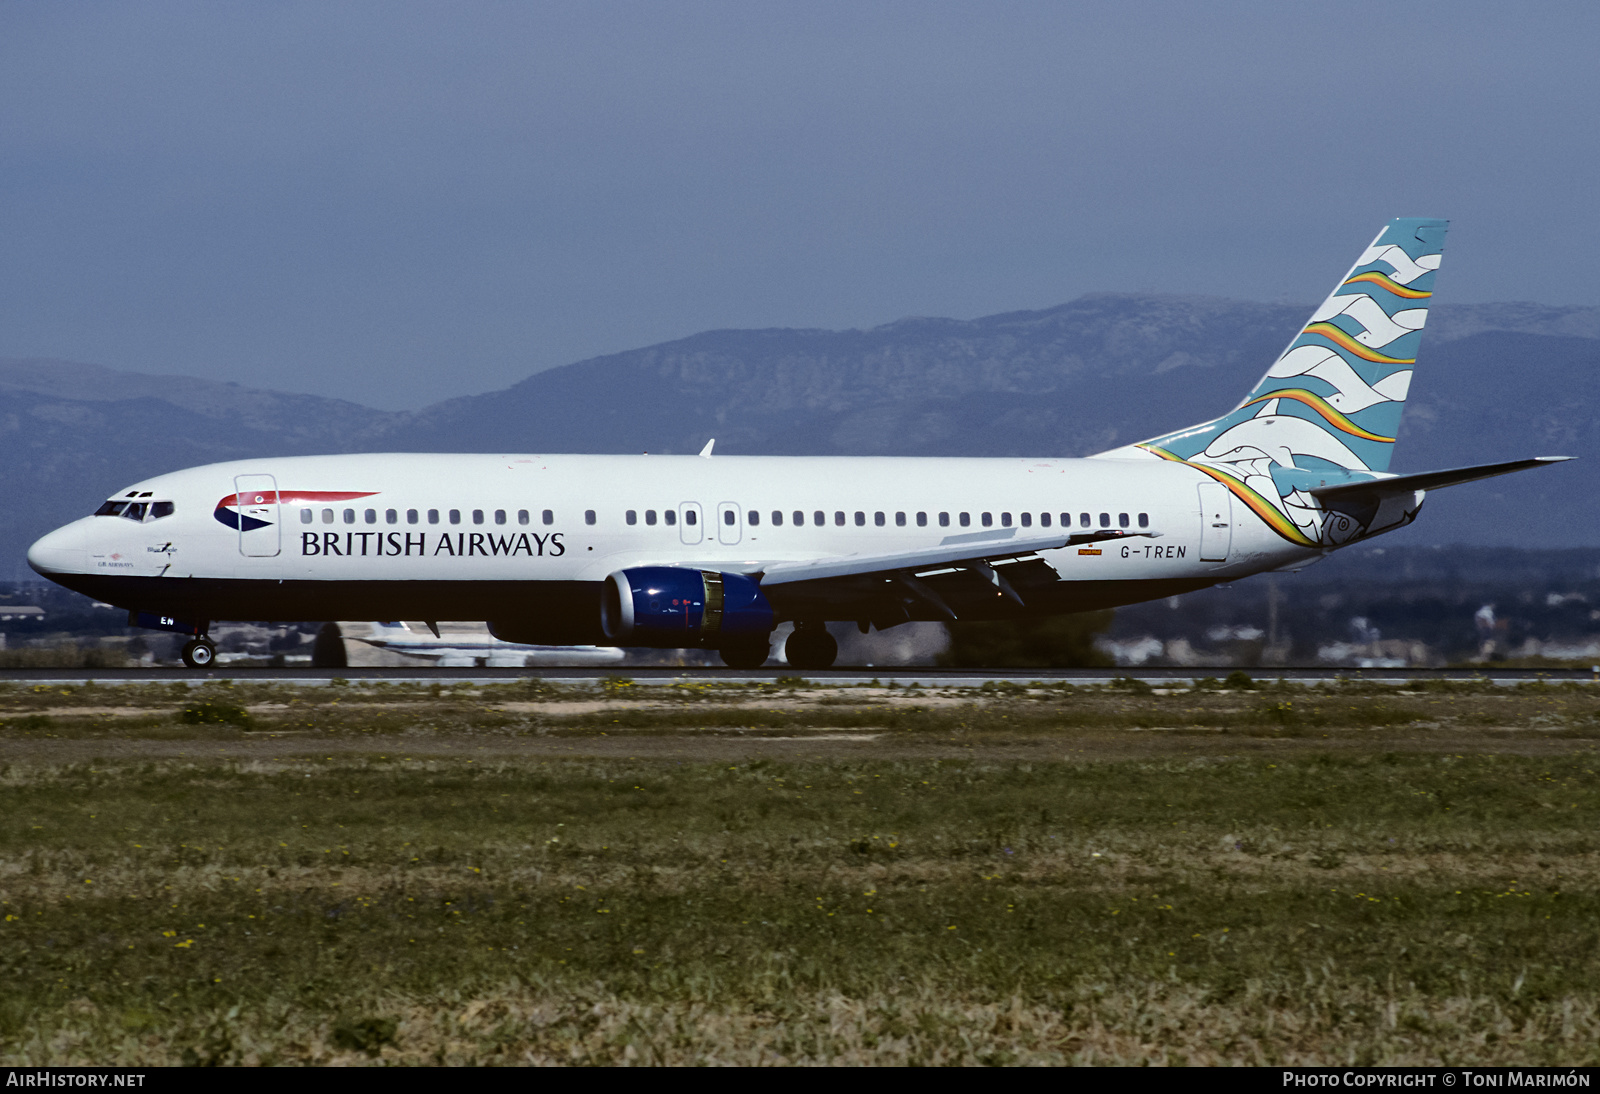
837 677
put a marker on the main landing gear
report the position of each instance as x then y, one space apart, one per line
749 653
811 647
200 653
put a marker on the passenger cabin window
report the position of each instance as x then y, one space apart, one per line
689 516
433 516
817 518
391 517
588 516
1105 520
455 516
305 516
861 519
922 520
349 516
649 516
671 517
1122 520
987 520
1027 520
522 516
753 517
327 516
631 517
944 520
966 520
411 516
1083 520
727 517
899 520
549 517
1044 519
1144 520
477 516
1005 520
371 516
499 516
838 518
777 518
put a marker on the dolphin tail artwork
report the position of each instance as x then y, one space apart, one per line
1308 449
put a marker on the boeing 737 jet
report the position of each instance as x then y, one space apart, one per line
715 551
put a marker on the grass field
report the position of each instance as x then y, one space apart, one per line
521 874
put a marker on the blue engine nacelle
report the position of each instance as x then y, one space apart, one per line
671 607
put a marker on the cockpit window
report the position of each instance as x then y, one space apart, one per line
136 510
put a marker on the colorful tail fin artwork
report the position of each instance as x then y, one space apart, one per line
1328 409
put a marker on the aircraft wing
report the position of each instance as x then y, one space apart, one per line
1428 480
924 575
429 652
828 583
954 552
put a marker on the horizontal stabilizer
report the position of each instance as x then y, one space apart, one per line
1429 480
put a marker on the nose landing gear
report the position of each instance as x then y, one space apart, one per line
200 653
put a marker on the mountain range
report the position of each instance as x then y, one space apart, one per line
1495 381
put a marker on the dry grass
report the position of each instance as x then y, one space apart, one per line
1318 902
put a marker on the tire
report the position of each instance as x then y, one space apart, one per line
812 648
746 655
199 654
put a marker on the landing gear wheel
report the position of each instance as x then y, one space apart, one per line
811 648
749 654
199 654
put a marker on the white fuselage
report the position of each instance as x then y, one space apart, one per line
414 534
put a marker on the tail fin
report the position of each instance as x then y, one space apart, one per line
1329 407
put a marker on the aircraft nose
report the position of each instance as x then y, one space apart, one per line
63 551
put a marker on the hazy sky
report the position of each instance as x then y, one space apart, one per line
396 203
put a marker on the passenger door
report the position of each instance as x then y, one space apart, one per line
256 502
690 529
1216 522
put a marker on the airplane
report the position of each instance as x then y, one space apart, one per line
713 552
457 649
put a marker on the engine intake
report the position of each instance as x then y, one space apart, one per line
671 607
